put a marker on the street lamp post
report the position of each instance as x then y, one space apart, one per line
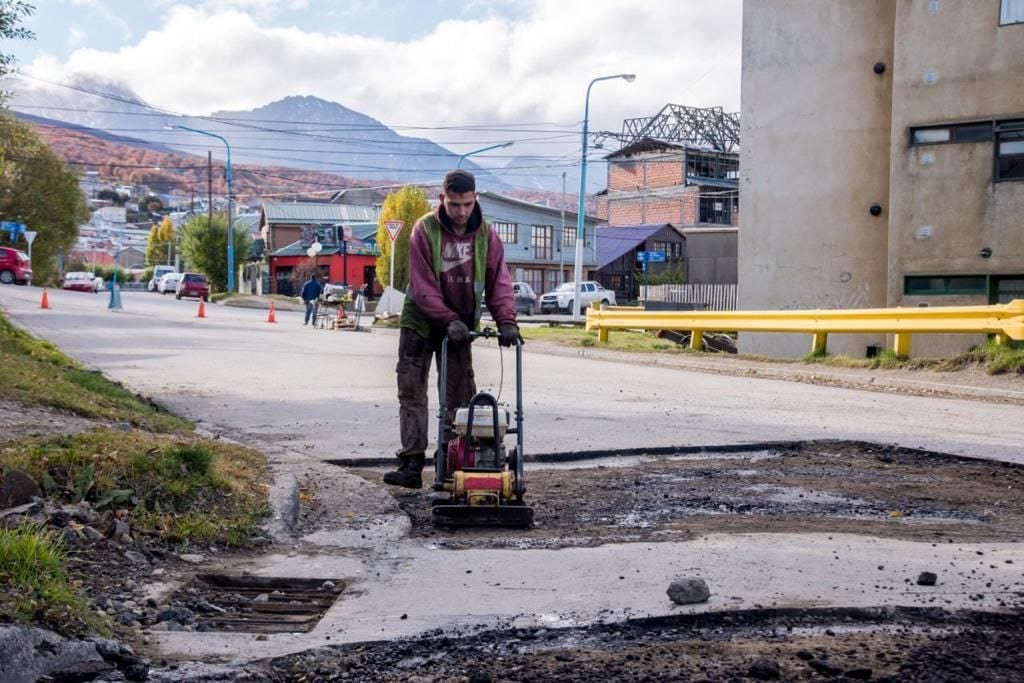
483 149
227 176
578 270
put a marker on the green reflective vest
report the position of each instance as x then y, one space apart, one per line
412 316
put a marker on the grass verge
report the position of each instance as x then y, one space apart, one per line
36 587
36 372
626 340
183 491
996 359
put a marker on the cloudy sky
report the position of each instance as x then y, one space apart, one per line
433 63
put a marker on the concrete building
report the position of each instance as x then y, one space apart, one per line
882 160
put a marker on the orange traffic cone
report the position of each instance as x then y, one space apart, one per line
271 318
201 313
45 303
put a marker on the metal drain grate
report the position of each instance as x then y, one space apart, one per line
259 604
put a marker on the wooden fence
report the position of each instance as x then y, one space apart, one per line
715 297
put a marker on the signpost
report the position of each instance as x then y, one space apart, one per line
30 237
393 228
646 257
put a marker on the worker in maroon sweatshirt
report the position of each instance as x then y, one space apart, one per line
455 263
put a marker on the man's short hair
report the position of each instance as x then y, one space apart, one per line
459 182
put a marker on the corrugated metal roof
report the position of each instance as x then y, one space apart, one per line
614 241
308 212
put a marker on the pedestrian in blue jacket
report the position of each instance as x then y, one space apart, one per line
311 296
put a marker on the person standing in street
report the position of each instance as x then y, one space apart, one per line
311 296
455 259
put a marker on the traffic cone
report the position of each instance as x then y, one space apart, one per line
271 318
45 303
201 313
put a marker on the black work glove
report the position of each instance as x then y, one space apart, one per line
458 333
508 333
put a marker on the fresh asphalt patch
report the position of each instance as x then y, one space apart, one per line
832 487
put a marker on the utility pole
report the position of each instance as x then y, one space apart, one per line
209 188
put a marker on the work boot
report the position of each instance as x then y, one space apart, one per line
409 473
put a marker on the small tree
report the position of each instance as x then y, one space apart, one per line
204 244
160 246
408 205
12 13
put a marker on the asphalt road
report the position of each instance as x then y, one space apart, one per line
331 394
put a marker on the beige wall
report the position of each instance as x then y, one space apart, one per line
976 67
815 132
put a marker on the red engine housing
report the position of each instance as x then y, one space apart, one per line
460 456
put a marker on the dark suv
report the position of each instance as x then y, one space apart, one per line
193 284
15 267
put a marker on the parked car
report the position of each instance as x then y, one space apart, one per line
526 298
81 281
15 267
168 283
561 300
193 284
159 272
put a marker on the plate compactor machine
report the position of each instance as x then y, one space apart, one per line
478 481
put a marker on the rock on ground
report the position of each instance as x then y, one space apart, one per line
688 591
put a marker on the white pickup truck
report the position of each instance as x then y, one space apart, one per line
561 299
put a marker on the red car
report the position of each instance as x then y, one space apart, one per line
81 281
193 284
15 267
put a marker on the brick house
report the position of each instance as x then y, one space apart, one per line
692 186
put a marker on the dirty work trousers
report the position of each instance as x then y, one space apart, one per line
413 370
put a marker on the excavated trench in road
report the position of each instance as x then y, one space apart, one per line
590 499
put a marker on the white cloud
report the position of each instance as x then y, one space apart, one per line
474 70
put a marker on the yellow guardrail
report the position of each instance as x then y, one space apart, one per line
1005 321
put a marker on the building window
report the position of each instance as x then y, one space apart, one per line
980 131
569 237
1010 151
715 209
541 242
508 232
1011 12
535 278
945 284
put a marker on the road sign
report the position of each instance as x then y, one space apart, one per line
30 236
650 256
393 228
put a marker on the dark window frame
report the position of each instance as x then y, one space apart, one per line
542 242
1014 22
949 285
999 161
503 227
959 133
569 236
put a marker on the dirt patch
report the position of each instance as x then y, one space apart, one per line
894 644
813 487
18 420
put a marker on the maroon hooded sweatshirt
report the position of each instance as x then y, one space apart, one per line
453 298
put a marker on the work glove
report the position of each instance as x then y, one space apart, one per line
458 333
508 333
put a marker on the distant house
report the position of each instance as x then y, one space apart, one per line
540 241
283 223
348 256
618 248
131 256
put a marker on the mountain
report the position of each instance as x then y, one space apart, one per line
299 132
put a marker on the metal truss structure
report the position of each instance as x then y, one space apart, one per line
681 124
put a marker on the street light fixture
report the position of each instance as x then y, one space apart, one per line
227 175
483 149
578 270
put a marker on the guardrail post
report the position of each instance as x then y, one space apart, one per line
696 339
819 344
1001 338
602 334
901 344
